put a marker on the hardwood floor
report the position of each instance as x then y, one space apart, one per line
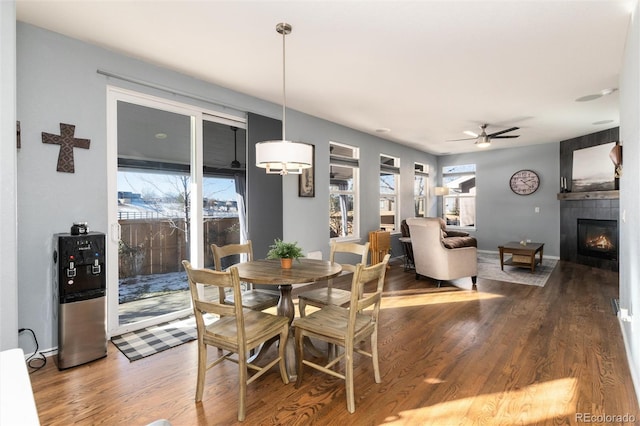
507 354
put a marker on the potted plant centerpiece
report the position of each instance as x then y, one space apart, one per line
286 252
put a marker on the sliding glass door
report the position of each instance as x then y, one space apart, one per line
162 207
223 186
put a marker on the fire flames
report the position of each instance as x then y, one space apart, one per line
600 242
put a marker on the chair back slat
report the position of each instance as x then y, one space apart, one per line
345 248
220 253
214 308
361 300
353 249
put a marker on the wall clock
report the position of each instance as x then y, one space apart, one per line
524 182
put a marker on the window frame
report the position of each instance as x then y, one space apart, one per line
460 195
420 170
352 162
390 168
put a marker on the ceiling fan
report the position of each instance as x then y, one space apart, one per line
483 139
235 164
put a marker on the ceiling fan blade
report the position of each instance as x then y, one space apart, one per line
465 139
505 137
494 134
470 133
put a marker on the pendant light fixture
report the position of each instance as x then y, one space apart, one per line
283 156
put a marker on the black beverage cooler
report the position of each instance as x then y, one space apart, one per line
79 298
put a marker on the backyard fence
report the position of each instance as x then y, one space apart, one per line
158 246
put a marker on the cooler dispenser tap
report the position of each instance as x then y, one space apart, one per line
95 268
71 270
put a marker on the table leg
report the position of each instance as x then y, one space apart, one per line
501 258
286 307
533 262
541 250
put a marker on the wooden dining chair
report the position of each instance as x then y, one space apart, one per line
252 298
346 328
329 295
238 331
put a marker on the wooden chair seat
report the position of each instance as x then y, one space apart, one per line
326 296
256 325
256 299
332 322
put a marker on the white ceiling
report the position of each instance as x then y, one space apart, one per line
426 70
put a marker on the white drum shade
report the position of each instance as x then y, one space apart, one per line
284 157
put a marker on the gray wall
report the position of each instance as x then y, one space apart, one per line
8 194
264 192
306 219
630 195
504 216
57 82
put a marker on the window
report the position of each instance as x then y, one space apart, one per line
420 178
389 186
343 191
459 207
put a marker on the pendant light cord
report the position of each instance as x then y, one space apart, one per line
284 93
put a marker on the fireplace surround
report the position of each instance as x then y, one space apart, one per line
594 206
598 238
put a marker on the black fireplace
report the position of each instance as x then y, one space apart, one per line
598 238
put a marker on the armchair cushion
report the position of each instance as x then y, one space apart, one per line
459 242
451 238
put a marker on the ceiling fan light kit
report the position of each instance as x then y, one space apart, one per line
483 140
283 157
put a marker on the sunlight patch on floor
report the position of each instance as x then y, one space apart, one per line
413 299
530 405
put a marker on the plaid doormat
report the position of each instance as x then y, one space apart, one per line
148 341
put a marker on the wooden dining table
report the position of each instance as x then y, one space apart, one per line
269 272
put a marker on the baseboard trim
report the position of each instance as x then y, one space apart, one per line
635 378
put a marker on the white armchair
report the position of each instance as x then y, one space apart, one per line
432 259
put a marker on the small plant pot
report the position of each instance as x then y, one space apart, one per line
286 263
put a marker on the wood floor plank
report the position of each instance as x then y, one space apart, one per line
505 354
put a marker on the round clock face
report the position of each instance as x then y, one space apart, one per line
524 182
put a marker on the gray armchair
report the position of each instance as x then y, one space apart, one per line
433 258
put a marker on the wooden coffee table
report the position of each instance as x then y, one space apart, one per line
522 255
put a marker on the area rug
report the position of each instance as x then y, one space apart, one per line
489 268
148 341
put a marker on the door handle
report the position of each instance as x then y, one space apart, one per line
116 231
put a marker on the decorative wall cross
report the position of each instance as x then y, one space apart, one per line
67 142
